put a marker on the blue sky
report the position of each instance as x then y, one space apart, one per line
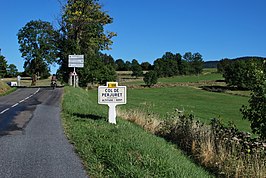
148 28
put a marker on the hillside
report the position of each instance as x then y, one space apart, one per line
211 64
3 88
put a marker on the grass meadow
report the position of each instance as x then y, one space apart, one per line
207 75
122 150
203 104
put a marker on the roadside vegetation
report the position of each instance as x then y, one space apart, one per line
207 126
122 150
5 89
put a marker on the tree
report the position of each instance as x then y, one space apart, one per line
167 66
128 66
43 73
82 32
108 60
188 57
195 62
38 46
136 68
120 65
3 66
97 72
241 73
146 66
256 111
150 78
12 70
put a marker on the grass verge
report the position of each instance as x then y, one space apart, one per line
5 89
224 150
122 150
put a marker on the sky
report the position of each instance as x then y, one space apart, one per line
146 29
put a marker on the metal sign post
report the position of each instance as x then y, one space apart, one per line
112 95
74 77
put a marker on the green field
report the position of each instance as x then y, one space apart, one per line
207 75
203 104
122 150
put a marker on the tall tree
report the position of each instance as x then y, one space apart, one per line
197 64
12 70
108 60
3 66
256 111
82 32
146 66
128 66
167 66
37 40
120 65
194 62
136 68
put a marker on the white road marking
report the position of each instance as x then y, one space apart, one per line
2 112
14 105
22 101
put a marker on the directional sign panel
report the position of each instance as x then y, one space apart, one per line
76 61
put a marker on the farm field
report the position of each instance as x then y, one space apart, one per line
191 99
207 75
203 104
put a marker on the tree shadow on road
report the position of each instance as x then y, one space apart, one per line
89 116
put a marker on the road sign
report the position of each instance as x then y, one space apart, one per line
112 95
76 61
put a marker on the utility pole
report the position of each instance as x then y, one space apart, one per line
0 52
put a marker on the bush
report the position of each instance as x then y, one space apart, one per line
226 151
150 78
242 73
256 112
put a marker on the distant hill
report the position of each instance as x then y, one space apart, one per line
211 64
248 58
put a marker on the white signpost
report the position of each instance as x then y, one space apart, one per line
18 79
112 95
75 61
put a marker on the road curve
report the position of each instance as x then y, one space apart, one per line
39 148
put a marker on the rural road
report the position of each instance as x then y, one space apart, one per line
32 141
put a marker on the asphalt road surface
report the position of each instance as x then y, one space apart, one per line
32 141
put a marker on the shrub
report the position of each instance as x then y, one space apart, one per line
226 151
242 73
150 78
256 111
